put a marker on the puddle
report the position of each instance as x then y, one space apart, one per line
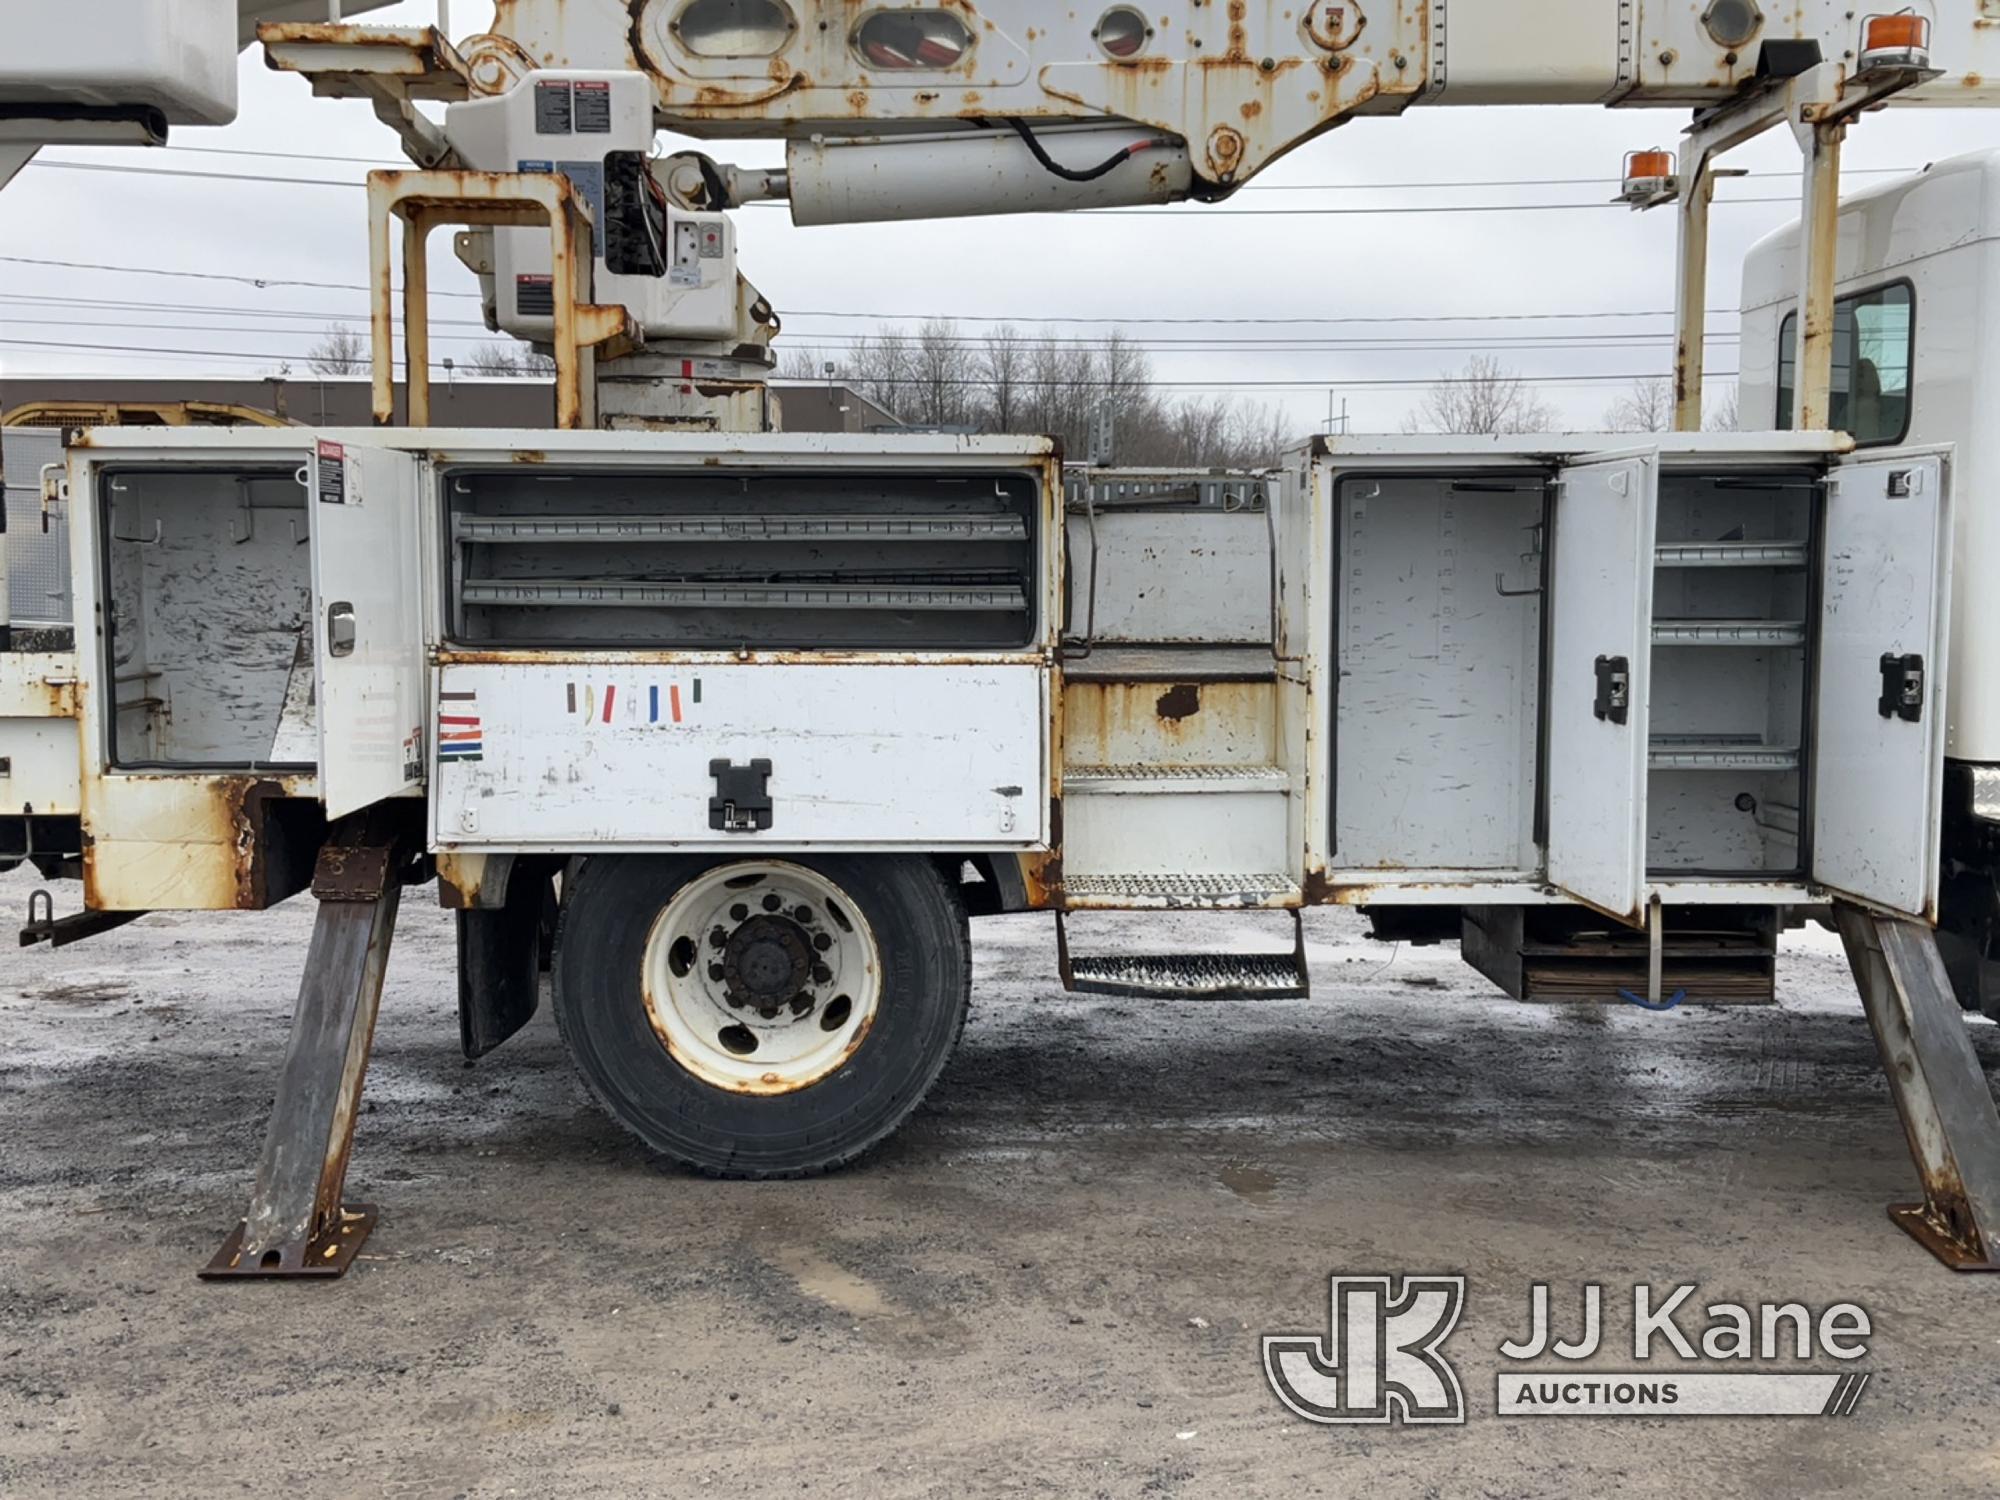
821 1279
1253 1184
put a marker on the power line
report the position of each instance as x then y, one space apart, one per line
1188 343
105 166
1190 211
1254 187
1070 384
1169 349
256 281
1130 321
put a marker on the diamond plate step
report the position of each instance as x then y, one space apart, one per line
1187 976
1174 779
1174 892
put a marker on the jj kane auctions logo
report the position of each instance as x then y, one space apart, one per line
1381 1359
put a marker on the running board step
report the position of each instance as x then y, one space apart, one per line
1187 976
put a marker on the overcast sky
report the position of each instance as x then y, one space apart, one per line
1243 260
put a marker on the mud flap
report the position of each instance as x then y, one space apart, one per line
500 961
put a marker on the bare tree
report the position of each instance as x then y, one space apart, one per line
1483 397
1003 362
508 359
340 351
1011 380
1724 411
943 376
1647 406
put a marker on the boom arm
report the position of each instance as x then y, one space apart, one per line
1241 82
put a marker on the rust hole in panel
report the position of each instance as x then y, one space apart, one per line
1182 701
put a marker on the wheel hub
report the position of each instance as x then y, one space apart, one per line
760 976
767 963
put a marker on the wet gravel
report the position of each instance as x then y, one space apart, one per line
1052 1282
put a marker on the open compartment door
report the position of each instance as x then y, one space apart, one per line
1878 758
1600 646
368 645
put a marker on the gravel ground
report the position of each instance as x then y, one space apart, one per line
1051 1282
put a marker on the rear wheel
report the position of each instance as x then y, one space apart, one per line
766 1017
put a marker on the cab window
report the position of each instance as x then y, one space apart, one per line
1874 350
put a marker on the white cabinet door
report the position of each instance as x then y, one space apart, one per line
611 751
368 646
1600 643
1878 758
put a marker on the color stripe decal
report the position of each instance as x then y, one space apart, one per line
610 695
674 697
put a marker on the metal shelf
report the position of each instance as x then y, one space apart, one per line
1729 633
1730 555
584 593
737 528
1720 757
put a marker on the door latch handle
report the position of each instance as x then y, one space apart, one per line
1614 689
1902 687
340 629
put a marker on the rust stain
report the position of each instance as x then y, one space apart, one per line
709 96
242 801
1251 110
530 456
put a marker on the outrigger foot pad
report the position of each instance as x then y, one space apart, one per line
328 1252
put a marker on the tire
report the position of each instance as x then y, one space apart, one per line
644 1020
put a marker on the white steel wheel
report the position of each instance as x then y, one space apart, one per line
761 977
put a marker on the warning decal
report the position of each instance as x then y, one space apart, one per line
330 476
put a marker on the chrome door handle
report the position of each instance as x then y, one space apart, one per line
340 629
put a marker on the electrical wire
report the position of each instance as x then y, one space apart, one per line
974 383
1129 320
1089 174
1255 187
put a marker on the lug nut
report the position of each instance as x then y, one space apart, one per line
739 912
718 939
773 901
821 974
768 1012
803 915
715 972
822 941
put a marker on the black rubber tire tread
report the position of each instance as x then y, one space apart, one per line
924 936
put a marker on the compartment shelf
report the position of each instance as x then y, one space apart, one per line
1729 633
590 593
738 528
1730 555
1694 756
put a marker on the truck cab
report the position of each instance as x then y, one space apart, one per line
1917 362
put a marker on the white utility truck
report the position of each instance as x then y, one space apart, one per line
733 730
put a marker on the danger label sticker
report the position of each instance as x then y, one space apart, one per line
593 108
331 473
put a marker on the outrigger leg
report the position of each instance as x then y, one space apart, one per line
1938 1085
297 1224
